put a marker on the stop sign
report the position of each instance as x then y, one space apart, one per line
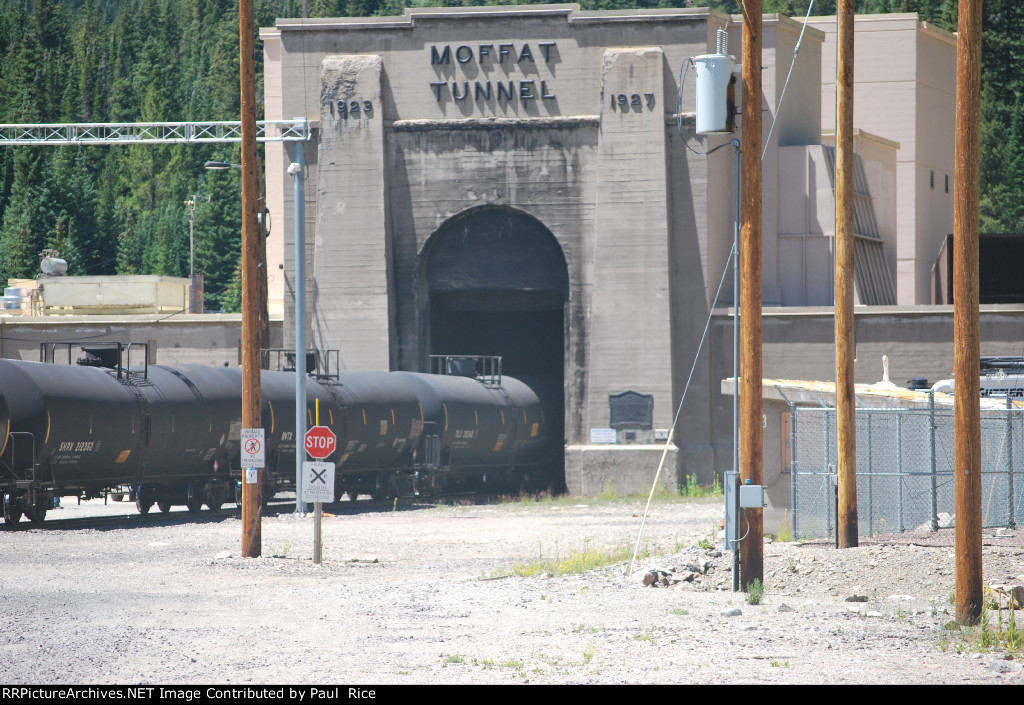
320 442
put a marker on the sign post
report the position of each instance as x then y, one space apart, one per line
318 477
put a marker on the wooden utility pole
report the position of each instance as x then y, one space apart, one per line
846 415
751 433
966 345
252 500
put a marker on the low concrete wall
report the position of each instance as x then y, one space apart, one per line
628 469
211 339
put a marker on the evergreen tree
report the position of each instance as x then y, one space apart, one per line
22 235
218 238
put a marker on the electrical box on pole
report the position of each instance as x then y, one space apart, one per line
714 72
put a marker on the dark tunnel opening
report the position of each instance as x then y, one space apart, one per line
497 284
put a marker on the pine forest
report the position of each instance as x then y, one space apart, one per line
121 209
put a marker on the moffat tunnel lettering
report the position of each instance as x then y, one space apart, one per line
489 55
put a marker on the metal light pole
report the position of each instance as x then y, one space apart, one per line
296 170
195 303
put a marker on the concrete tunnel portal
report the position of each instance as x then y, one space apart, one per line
494 281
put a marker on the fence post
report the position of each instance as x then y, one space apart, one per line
1009 457
899 469
871 499
931 457
828 478
792 464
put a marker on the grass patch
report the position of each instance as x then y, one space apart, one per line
281 551
578 561
1005 635
785 533
610 492
691 488
452 658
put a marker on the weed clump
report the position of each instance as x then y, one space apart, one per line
755 592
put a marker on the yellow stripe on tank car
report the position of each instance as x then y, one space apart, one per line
476 416
392 417
421 413
47 439
502 417
271 405
123 456
330 415
497 447
445 415
7 435
533 433
524 416
364 417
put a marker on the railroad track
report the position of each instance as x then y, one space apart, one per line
131 518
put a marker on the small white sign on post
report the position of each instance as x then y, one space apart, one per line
253 451
317 482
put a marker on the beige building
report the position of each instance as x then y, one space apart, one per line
905 75
521 181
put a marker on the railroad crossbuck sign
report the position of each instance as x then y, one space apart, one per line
320 442
317 482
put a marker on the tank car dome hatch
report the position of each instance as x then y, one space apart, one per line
918 383
105 357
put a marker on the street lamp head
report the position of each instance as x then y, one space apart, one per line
221 165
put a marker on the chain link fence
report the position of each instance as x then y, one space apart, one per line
905 478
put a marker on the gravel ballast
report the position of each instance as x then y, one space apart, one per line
426 594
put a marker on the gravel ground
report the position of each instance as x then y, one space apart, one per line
425 595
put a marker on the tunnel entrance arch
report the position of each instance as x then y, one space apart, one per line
494 281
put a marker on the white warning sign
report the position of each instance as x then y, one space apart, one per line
253 452
317 482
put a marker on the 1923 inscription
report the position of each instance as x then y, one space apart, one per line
354 108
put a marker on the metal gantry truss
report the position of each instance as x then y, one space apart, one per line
294 130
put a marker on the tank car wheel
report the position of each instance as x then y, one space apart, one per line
37 513
143 505
164 506
12 509
117 496
194 500
353 495
214 497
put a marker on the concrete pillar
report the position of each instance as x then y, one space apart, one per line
630 336
352 308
